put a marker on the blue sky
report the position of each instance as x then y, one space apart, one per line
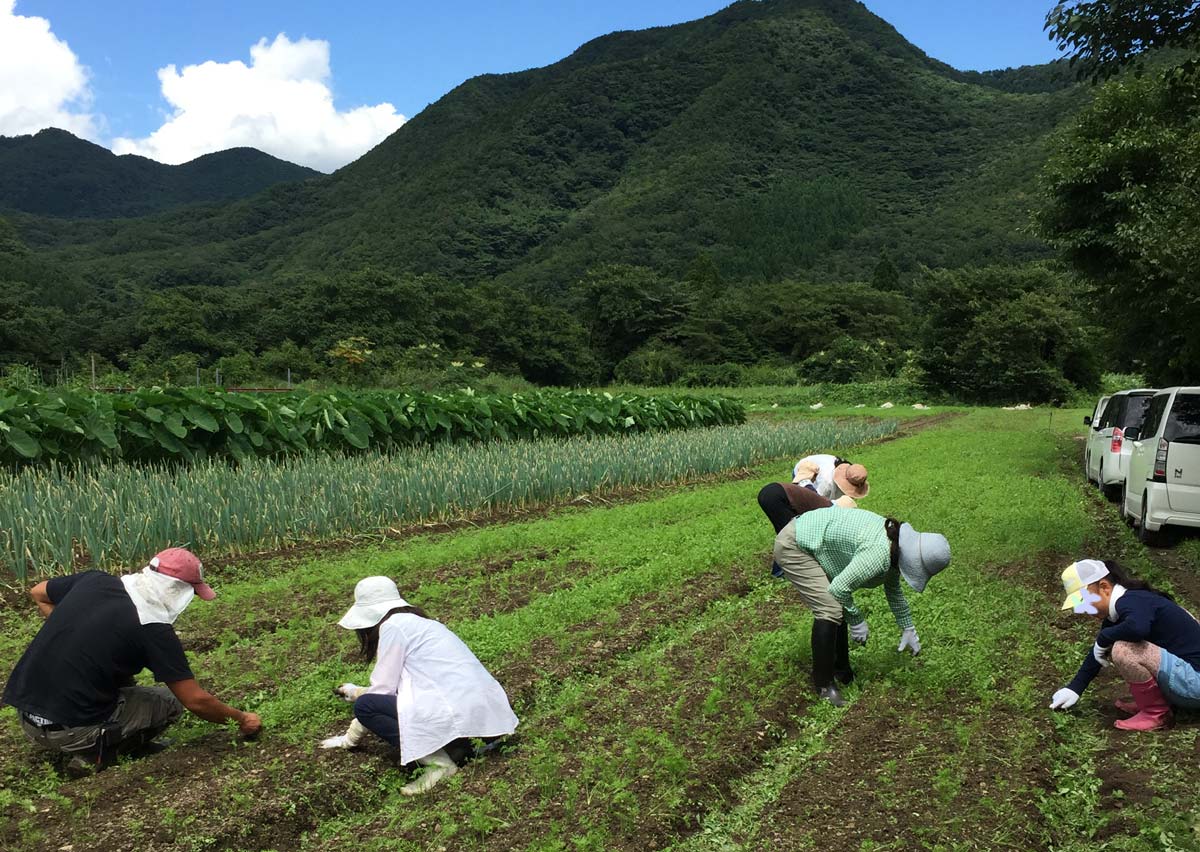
409 54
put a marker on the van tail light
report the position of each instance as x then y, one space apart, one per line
1160 461
1118 437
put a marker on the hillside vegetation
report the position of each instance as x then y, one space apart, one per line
684 197
53 173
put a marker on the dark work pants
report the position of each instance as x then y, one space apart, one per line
377 713
772 499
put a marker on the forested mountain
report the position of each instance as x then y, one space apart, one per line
786 137
54 173
694 188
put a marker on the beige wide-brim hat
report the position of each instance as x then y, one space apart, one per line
374 597
852 479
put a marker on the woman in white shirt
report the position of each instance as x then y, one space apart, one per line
427 688
832 477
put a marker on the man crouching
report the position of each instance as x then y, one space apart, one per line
73 687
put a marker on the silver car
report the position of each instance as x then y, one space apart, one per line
1106 458
1163 482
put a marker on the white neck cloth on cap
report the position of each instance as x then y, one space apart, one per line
159 599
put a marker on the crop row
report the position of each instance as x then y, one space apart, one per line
188 424
52 517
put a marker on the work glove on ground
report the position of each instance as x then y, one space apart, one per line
349 692
910 641
1064 699
1101 655
859 632
350 739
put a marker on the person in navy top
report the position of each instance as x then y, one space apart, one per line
1151 641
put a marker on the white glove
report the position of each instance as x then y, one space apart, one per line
859 632
348 692
910 640
1101 655
1064 699
350 739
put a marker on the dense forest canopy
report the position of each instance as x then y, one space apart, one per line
52 173
773 186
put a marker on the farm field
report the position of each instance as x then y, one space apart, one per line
661 678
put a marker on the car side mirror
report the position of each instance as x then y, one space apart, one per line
1132 434
1087 420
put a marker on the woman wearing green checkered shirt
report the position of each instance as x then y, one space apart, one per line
827 554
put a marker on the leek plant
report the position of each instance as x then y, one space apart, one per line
61 517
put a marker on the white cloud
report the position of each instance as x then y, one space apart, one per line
42 83
280 103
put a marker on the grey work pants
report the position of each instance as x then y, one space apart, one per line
146 710
804 572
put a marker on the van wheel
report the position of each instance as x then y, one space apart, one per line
1144 534
1087 467
1123 508
1100 479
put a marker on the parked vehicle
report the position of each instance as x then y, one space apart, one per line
1093 421
1163 482
1107 455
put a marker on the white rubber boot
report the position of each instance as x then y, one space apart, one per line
438 766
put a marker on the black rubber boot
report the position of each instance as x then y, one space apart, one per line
824 652
841 661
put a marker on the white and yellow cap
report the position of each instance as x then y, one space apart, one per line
1076 578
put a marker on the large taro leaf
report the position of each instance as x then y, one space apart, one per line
97 427
202 418
24 444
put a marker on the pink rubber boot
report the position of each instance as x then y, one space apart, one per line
1153 710
1126 705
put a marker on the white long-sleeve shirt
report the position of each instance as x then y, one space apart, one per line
442 690
824 483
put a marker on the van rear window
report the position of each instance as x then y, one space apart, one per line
1184 422
1135 410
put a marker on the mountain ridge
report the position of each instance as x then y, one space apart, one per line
54 173
514 175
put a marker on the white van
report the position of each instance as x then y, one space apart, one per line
1107 450
1092 421
1163 482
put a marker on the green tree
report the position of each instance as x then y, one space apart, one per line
1102 36
1001 334
1122 188
625 306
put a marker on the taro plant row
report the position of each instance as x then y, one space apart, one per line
188 424
57 516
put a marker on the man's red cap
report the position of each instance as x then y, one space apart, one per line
182 564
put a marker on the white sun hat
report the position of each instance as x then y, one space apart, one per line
374 597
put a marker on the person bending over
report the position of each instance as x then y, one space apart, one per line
828 554
832 477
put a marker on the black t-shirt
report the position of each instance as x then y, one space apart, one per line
91 645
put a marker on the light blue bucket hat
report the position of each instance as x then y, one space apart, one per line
921 556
